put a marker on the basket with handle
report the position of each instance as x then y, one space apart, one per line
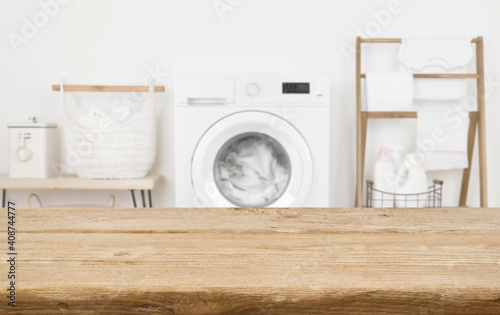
106 148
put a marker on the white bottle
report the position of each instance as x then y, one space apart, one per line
410 181
383 181
396 153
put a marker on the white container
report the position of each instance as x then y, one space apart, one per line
383 180
33 150
412 180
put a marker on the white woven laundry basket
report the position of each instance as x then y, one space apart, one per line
108 149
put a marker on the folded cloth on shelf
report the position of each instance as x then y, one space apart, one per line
447 53
439 89
443 140
437 55
442 161
389 91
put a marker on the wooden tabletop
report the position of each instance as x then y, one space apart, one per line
255 261
76 183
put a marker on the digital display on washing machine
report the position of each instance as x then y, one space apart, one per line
296 88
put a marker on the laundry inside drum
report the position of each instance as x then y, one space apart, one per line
252 170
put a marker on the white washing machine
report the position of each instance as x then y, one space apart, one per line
252 141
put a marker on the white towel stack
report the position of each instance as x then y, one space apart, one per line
441 136
442 140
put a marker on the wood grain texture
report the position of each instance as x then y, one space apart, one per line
257 261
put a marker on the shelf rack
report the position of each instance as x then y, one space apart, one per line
106 88
72 182
477 120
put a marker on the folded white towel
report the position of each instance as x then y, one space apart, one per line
438 55
389 91
442 161
443 140
438 89
447 53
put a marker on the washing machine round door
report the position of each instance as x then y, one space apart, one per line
252 159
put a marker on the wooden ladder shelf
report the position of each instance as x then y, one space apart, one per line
477 121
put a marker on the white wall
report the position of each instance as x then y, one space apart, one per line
114 42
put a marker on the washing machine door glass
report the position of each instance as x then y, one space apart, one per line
251 159
252 169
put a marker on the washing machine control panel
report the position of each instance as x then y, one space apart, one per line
296 88
254 90
292 90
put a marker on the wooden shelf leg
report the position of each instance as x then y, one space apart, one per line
483 181
364 131
359 130
470 150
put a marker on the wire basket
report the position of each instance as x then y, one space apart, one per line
431 198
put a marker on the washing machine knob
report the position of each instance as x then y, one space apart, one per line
253 89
